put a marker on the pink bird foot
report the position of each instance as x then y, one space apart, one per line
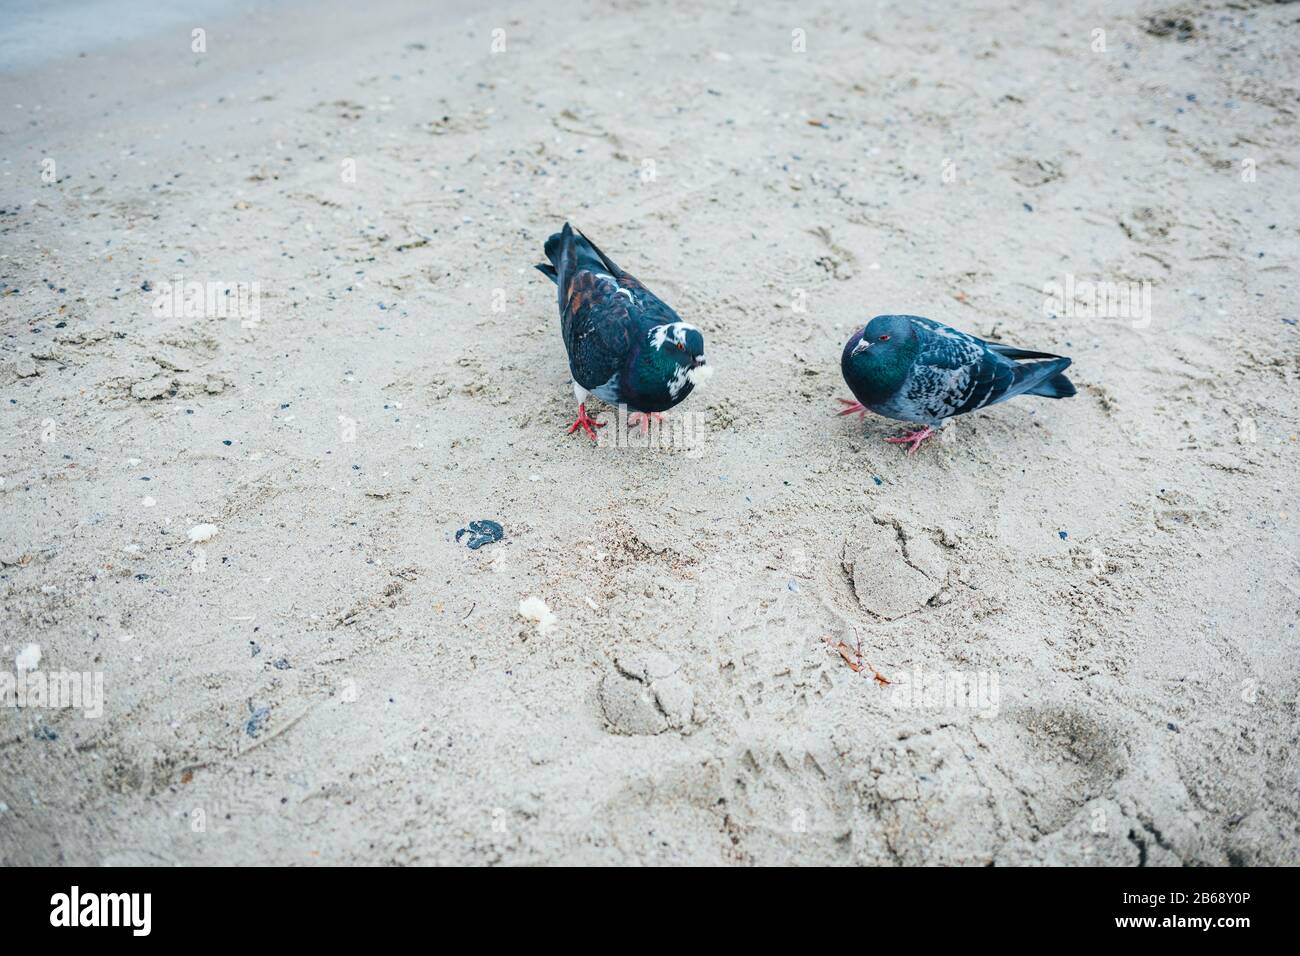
913 439
643 418
586 423
852 407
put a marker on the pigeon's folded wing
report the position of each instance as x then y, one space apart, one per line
988 384
597 328
1015 352
954 373
948 349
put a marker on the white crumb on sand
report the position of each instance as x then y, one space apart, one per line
534 609
29 658
203 532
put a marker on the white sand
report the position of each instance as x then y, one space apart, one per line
334 679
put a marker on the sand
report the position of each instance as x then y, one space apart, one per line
1065 632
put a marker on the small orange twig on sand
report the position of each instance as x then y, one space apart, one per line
844 653
853 657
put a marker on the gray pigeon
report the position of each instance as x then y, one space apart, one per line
917 370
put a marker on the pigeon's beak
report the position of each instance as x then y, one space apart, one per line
862 346
697 361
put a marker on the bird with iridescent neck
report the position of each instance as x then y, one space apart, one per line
917 370
625 346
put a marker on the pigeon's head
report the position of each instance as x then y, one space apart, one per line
883 335
879 355
683 344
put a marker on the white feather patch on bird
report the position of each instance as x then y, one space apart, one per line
534 609
29 658
700 374
676 331
203 532
678 381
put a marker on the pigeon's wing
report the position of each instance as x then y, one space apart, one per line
954 373
643 304
1012 352
597 328
624 280
989 382
1008 351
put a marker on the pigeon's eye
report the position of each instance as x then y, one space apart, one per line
884 338
681 347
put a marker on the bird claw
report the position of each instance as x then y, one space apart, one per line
912 439
586 423
644 420
852 407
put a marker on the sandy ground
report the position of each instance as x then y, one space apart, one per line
333 678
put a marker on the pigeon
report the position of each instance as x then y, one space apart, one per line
625 346
917 370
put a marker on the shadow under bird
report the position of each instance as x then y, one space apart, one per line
625 346
914 369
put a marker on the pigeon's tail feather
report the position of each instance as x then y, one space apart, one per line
554 243
560 249
571 252
1044 378
1058 386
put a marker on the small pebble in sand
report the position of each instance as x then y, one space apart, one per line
534 609
481 533
29 658
203 532
253 726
